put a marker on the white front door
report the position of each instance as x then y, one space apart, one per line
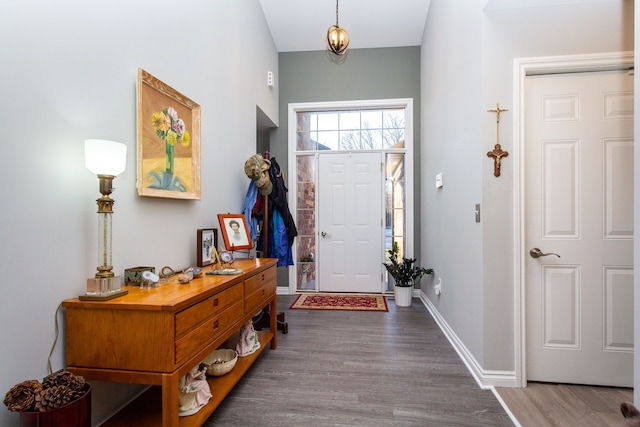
579 204
350 222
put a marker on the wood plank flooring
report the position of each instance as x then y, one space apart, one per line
542 404
345 368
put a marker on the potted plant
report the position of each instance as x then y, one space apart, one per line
306 263
404 273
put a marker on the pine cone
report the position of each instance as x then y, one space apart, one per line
67 379
54 397
22 397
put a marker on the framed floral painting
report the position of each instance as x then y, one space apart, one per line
168 141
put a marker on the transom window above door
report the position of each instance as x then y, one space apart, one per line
364 129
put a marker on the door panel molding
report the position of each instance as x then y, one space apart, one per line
524 67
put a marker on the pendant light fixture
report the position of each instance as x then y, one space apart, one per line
337 38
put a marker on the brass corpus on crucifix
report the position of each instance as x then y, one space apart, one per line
497 153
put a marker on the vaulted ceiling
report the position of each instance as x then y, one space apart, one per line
301 25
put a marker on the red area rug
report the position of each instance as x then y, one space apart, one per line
340 302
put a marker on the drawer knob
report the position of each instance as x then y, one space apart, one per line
215 302
263 277
216 324
263 292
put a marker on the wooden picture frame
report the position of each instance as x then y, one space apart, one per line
235 238
168 141
207 242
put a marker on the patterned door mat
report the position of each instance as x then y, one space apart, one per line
340 302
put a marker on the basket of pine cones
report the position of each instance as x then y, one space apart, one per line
61 399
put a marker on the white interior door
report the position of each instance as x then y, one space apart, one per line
579 204
350 222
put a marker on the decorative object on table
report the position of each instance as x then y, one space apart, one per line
168 141
405 273
149 280
226 257
322 301
133 276
183 278
223 261
248 342
220 361
234 231
194 391
197 272
106 159
166 272
61 399
497 153
207 240
256 168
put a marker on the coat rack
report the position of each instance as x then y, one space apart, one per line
261 321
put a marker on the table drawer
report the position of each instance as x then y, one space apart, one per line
252 284
197 313
252 301
211 329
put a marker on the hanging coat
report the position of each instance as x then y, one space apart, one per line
249 202
278 198
280 245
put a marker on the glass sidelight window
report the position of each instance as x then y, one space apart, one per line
318 131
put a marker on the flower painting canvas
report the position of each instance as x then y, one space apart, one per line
168 141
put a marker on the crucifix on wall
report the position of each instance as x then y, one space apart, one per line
497 153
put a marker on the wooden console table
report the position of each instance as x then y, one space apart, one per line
156 336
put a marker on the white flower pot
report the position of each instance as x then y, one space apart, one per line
403 295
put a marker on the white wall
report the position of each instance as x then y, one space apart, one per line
636 207
69 70
467 66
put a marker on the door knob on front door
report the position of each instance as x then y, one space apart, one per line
537 253
323 234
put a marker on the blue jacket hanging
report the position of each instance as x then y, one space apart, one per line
280 245
249 203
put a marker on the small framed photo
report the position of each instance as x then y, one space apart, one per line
235 231
207 243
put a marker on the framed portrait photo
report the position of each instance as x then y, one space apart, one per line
235 231
206 246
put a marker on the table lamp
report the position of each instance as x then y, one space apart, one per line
107 159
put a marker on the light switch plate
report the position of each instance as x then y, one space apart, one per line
439 180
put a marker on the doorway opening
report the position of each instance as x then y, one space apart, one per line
344 204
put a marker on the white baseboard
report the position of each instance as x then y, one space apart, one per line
486 379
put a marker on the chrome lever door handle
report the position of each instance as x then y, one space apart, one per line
537 253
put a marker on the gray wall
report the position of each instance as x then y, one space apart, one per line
467 66
69 70
366 74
